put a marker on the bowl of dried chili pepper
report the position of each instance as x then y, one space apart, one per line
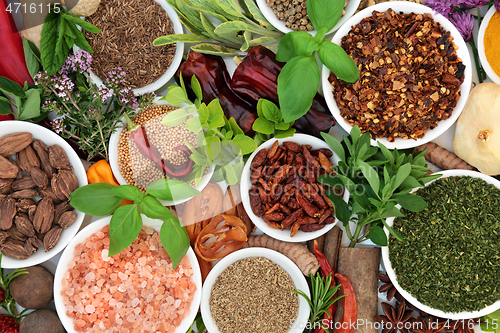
447 262
415 69
280 191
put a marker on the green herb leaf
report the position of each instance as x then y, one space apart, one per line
296 43
341 208
370 174
171 190
79 38
48 41
175 96
251 7
231 27
392 231
129 192
31 108
193 124
391 212
195 85
4 105
378 236
215 49
412 202
95 199
31 58
401 175
285 134
335 145
282 126
175 239
331 180
320 35
83 24
174 118
298 83
324 13
125 226
10 87
179 38
270 110
235 127
263 126
230 7
338 61
246 143
153 209
230 174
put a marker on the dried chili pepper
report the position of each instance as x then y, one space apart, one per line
13 64
138 134
100 172
350 315
257 77
9 116
214 80
325 270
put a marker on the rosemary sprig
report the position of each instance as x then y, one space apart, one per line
322 298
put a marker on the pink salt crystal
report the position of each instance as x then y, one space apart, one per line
131 318
113 276
122 288
89 309
104 255
135 302
177 303
112 302
144 284
70 291
137 311
150 298
119 305
122 276
90 276
149 310
142 261
100 282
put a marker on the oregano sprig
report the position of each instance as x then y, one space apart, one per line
270 122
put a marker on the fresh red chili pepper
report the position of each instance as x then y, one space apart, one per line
326 270
9 116
13 64
350 315
138 134
214 80
257 77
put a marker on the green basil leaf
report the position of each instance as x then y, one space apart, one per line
270 110
392 212
338 61
282 126
174 118
412 202
230 27
370 174
401 175
31 108
129 192
125 226
153 209
179 38
95 199
32 60
171 190
246 143
296 43
230 7
320 35
285 134
335 145
195 85
83 24
175 239
378 236
324 13
341 208
262 125
298 83
215 49
235 127
10 87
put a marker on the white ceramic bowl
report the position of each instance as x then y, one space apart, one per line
462 53
49 138
113 162
179 51
276 257
93 228
480 46
245 186
268 13
390 271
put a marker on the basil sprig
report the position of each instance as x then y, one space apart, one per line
377 180
298 81
270 122
102 199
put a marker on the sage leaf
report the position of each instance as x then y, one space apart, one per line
412 202
246 143
270 110
248 37
125 226
285 134
335 145
251 7
207 11
263 126
230 7
194 30
341 208
298 83
370 174
32 59
324 13
189 13
171 190
296 43
10 87
338 61
174 118
179 38
83 24
231 26
174 239
95 199
129 192
208 26
153 209
378 236
31 108
215 49
261 41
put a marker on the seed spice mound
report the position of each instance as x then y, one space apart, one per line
128 29
410 75
133 291
253 295
450 256
135 167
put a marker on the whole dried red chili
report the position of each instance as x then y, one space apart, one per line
138 134
325 270
257 77
13 65
350 315
214 80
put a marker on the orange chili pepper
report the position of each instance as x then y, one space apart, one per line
216 240
100 172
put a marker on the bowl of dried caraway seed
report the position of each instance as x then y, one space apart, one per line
415 69
448 262
249 291
291 15
125 43
131 166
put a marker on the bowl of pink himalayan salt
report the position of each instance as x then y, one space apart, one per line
134 291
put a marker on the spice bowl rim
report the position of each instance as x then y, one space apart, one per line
176 61
49 138
276 257
462 53
284 235
113 161
480 46
280 25
91 229
410 298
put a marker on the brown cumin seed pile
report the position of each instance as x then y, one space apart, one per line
128 29
253 295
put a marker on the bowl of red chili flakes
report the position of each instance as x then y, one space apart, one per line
416 74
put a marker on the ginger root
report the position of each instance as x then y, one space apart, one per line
443 158
298 253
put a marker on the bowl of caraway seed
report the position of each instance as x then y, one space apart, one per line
132 165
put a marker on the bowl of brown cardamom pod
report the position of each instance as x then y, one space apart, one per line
38 173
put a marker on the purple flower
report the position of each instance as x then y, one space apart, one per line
57 125
94 113
78 62
464 22
104 93
443 7
497 5
469 4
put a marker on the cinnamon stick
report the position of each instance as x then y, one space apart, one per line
333 239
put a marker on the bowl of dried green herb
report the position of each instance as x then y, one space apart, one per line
448 263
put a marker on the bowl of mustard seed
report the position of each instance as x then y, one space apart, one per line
130 165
